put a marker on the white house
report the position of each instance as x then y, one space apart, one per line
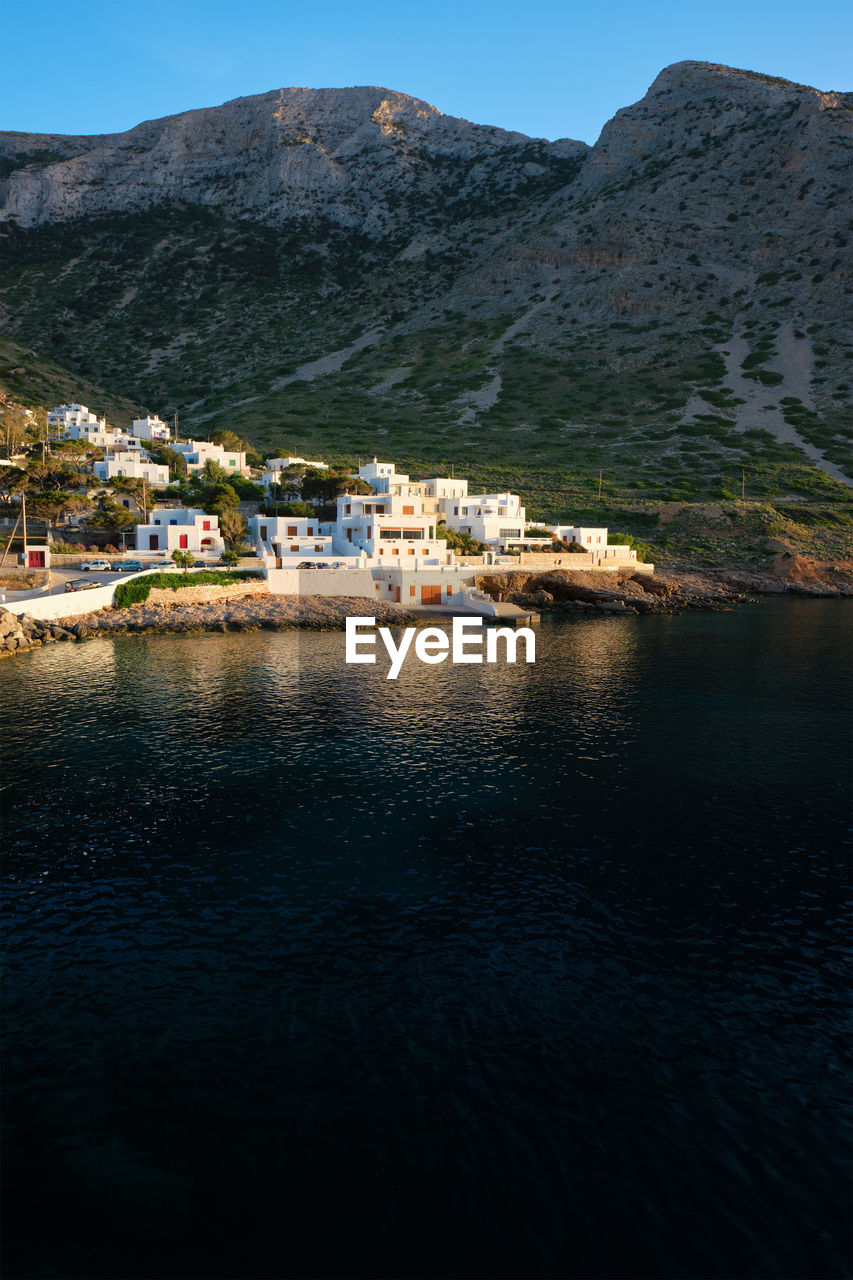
389 527
197 452
150 428
497 519
589 538
291 538
134 465
180 529
373 472
594 541
65 416
441 490
281 464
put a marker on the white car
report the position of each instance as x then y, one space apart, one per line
102 566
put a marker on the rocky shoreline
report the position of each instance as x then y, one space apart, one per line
555 592
567 591
261 612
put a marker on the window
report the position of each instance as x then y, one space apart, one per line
318 547
291 531
412 590
408 511
310 533
295 548
509 533
263 531
205 524
411 551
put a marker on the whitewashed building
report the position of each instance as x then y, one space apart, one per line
281 464
441 490
387 527
134 465
197 452
65 416
180 529
498 519
151 429
290 538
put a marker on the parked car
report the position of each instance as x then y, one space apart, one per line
162 564
305 564
320 564
339 564
130 566
77 585
99 566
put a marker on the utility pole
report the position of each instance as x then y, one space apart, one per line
11 540
743 486
24 514
144 500
176 428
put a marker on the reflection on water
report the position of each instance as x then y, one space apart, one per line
488 971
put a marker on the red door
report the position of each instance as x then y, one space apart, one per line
153 542
183 541
36 559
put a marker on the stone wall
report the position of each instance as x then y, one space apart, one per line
206 592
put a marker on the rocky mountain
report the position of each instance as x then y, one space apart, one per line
351 270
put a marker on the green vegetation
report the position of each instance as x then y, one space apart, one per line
139 589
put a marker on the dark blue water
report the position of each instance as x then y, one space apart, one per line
491 972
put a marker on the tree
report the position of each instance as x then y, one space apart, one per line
216 498
214 473
176 462
232 526
110 516
230 556
14 421
184 558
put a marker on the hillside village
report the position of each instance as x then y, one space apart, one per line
309 527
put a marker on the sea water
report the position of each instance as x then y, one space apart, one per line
494 971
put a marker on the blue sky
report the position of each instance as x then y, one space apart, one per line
547 68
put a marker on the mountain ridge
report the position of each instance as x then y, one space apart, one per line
497 292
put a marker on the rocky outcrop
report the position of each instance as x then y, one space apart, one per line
350 155
626 592
21 633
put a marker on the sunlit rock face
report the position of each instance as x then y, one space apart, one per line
349 154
